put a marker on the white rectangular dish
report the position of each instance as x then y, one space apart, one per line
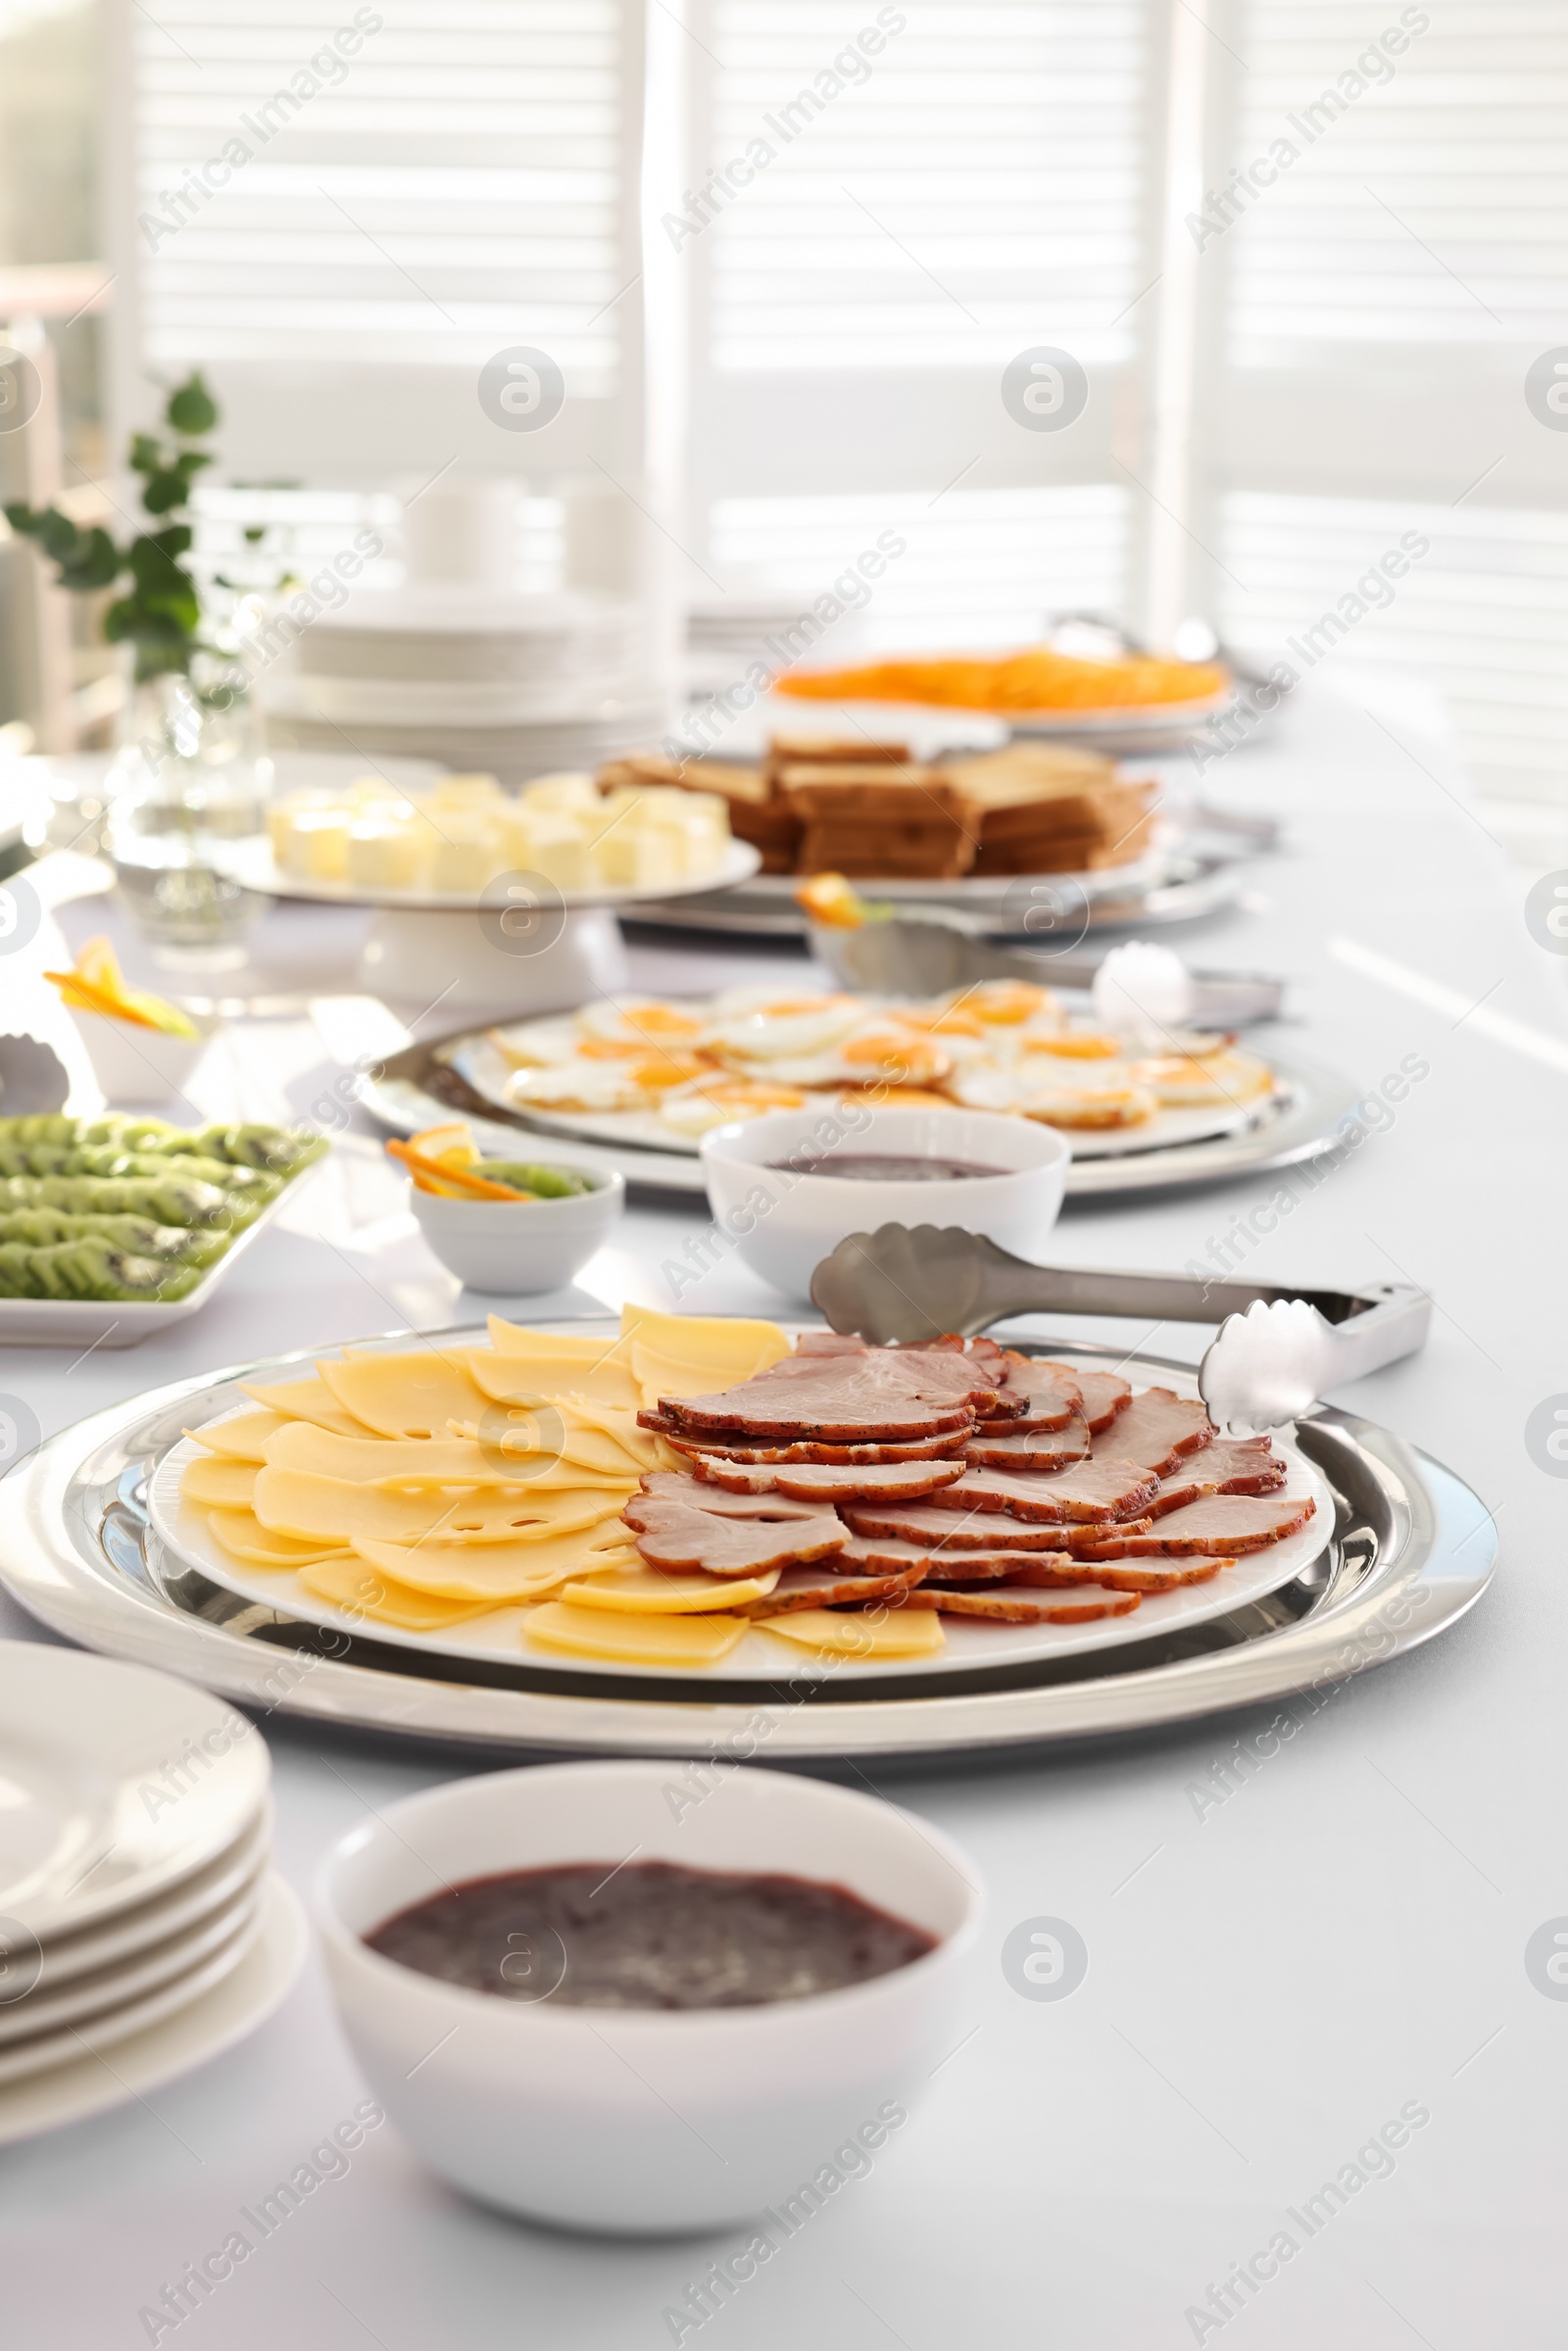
83 1322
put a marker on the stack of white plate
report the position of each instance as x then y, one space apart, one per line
135 1887
478 678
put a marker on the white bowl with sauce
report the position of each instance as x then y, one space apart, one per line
784 1223
645 2120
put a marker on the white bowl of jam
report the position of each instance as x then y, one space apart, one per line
790 1186
634 1998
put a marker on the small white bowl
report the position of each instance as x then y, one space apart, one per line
785 1224
136 1065
644 2121
518 1248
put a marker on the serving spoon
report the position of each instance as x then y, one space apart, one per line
1276 1352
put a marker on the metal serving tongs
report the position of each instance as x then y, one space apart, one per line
924 955
1277 1351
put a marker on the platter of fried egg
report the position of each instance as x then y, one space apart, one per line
659 1073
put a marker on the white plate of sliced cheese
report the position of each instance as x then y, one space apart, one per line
463 1500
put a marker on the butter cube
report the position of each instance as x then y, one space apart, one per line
316 847
387 855
557 848
639 857
465 856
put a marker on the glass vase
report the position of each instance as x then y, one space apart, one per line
190 779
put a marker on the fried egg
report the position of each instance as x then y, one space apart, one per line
783 1029
715 1101
583 1086
879 1051
1006 1004
1108 1099
1180 1081
634 1025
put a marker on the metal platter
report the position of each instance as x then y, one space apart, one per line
1181 887
419 1088
1412 1548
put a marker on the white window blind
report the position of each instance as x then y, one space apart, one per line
1433 207
916 216
1375 310
974 185
455 178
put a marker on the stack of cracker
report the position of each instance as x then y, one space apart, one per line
879 813
1051 808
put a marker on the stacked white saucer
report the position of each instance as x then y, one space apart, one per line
141 1926
477 677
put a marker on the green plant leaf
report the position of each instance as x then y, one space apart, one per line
96 562
146 453
165 491
192 410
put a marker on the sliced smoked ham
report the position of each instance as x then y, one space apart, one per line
870 1553
1106 1396
674 1535
921 1448
821 1588
848 1397
829 1481
1228 1465
1054 1395
1094 1490
1225 1523
1017 1604
671 1486
1157 1429
1150 1575
994 1447
979 1530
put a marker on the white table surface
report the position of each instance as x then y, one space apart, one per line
1270 1980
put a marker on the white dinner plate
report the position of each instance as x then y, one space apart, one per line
92 1322
115 1783
48 2007
760 1656
156 2053
64 1957
102 2031
484 1068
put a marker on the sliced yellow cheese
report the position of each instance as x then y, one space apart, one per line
217 1484
618 1422
403 1396
292 1502
555 1347
722 1343
633 1639
496 1572
901 1634
307 1400
507 1379
240 1438
365 1592
636 1589
559 1428
416 1461
242 1533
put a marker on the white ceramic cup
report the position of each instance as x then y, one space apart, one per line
784 1224
644 2121
517 1248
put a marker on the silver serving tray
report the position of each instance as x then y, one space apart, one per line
1411 1550
419 1088
1183 885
